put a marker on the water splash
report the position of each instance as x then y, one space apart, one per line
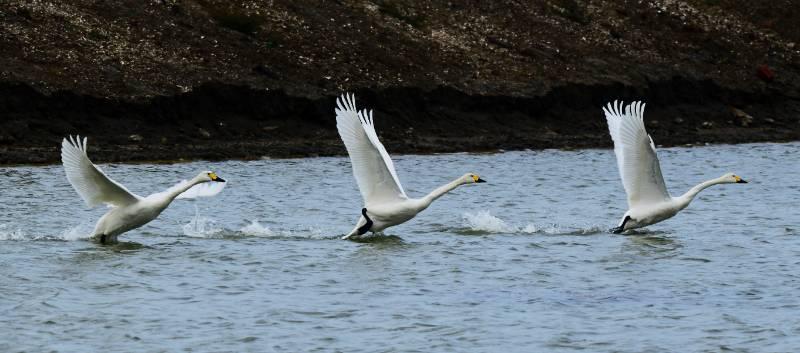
201 226
79 232
255 229
530 228
592 229
10 232
204 227
483 222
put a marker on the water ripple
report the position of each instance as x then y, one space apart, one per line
524 262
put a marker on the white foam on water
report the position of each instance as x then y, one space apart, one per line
201 226
530 228
204 227
314 232
592 229
11 233
552 229
78 232
255 229
559 229
484 221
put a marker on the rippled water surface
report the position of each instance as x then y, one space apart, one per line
523 263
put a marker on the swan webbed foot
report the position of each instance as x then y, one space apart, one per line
621 228
105 239
365 228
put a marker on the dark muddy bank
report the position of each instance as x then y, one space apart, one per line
230 122
206 79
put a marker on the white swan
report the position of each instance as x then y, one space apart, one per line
128 210
648 199
385 202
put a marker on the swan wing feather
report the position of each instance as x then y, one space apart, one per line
372 166
636 154
88 180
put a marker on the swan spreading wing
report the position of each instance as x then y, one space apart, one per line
199 190
372 166
636 154
94 186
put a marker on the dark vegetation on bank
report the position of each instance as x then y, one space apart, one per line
207 79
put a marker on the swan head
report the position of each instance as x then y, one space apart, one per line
731 178
471 178
208 176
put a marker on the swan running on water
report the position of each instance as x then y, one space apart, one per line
648 199
385 202
128 210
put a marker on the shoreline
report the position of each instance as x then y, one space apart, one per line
393 154
216 80
226 122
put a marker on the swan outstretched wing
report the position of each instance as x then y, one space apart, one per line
94 186
372 166
636 154
199 190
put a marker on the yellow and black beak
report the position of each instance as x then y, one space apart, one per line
214 177
739 180
478 179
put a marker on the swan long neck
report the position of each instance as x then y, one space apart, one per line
438 192
172 194
686 198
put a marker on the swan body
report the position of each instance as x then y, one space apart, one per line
128 210
385 202
649 201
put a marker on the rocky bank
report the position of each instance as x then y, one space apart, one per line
213 79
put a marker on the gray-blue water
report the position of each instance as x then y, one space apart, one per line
523 263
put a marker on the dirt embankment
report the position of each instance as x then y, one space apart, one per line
171 79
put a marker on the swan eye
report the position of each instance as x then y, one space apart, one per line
737 178
475 178
212 175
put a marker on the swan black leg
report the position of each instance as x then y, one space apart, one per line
365 228
103 239
621 227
